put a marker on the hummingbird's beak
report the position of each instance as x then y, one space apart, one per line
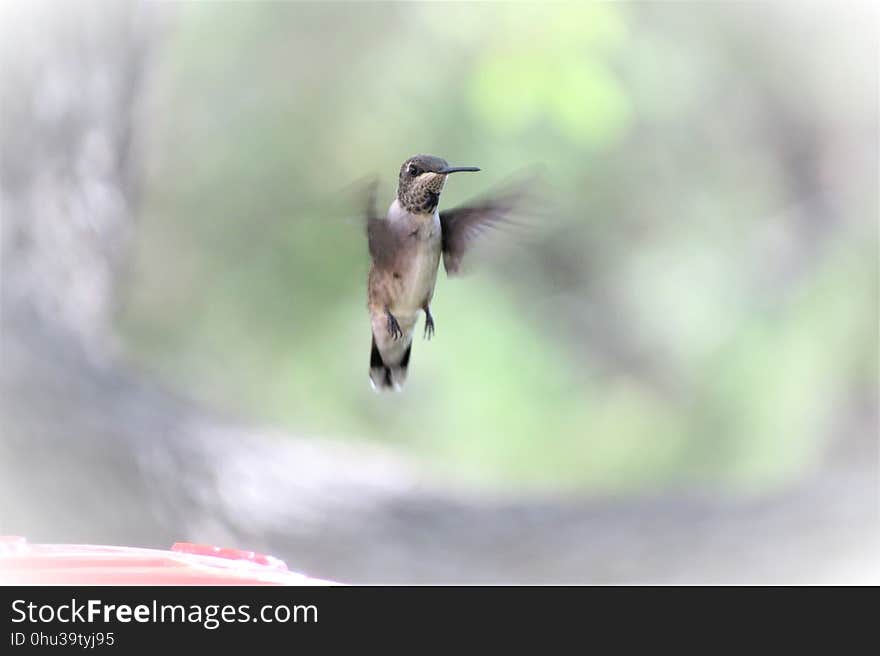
454 169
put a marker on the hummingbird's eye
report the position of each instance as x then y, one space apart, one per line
413 170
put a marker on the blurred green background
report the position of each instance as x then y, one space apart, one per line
696 305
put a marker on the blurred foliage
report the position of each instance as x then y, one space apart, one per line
698 306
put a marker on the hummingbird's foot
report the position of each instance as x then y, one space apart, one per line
429 324
393 327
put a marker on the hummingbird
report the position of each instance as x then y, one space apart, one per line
406 246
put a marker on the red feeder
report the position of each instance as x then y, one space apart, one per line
22 563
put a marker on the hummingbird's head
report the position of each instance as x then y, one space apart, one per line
421 180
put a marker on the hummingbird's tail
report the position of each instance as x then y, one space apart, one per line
388 375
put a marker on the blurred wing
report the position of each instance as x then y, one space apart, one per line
381 238
461 225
